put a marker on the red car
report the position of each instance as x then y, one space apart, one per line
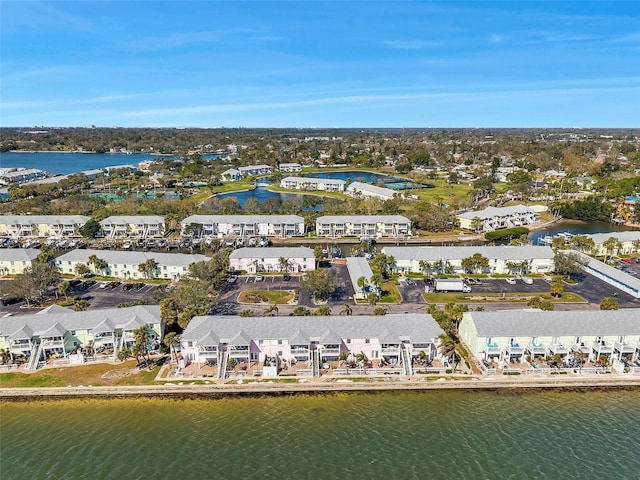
628 260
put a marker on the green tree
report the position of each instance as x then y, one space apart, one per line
90 229
46 254
124 354
346 309
379 311
148 268
82 269
246 313
321 283
569 264
609 303
557 287
301 311
323 310
63 289
172 342
142 337
33 283
474 263
80 304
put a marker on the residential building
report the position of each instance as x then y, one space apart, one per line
59 332
17 226
514 335
125 265
358 268
495 218
231 175
367 226
246 225
13 261
290 167
502 259
629 242
271 259
133 226
394 339
609 274
308 183
22 176
255 170
360 189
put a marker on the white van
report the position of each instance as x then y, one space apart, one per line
527 280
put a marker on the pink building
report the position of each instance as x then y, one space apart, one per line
284 342
272 259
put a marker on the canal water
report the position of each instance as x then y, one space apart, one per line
403 435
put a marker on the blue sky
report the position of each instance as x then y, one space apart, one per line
320 64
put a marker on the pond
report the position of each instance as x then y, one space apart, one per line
261 194
396 183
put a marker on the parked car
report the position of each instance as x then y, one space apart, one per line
527 280
470 281
286 277
628 260
259 278
104 285
127 286
410 281
511 281
232 279
113 285
138 285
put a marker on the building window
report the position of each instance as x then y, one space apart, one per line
367 341
279 342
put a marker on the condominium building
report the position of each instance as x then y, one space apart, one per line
358 268
514 335
13 261
495 218
133 226
502 259
22 176
57 331
629 243
360 189
369 226
17 226
125 265
290 167
272 259
246 225
308 183
393 339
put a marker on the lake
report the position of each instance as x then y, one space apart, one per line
435 434
66 163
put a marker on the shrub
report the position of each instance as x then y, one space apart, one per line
509 233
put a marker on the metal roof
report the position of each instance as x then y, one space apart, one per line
18 254
115 257
210 219
363 219
491 212
272 252
507 253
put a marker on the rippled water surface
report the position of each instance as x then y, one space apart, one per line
440 435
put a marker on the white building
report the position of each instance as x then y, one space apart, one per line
255 170
495 218
253 260
133 226
395 340
246 225
290 167
231 175
17 226
539 259
365 190
514 335
308 183
22 176
13 261
60 331
367 226
359 267
629 242
125 265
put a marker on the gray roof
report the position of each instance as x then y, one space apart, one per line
133 219
44 219
41 323
365 187
274 219
19 254
133 258
627 236
507 253
419 328
53 309
363 219
491 212
556 323
607 270
272 252
314 180
358 267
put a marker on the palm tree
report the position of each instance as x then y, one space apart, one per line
63 289
446 346
284 264
609 303
272 310
425 266
362 283
373 298
148 268
611 245
346 309
172 341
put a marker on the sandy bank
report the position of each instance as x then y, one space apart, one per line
187 390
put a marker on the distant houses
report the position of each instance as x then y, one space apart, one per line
495 218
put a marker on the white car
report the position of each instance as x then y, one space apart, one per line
103 284
511 281
259 278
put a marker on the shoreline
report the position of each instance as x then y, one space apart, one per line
187 391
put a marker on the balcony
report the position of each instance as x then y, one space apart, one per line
558 349
624 347
537 349
208 350
602 347
238 352
515 349
52 343
390 350
299 351
492 349
330 351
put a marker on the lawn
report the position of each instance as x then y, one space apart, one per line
567 297
277 297
96 374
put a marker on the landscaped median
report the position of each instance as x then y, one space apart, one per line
268 297
566 297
